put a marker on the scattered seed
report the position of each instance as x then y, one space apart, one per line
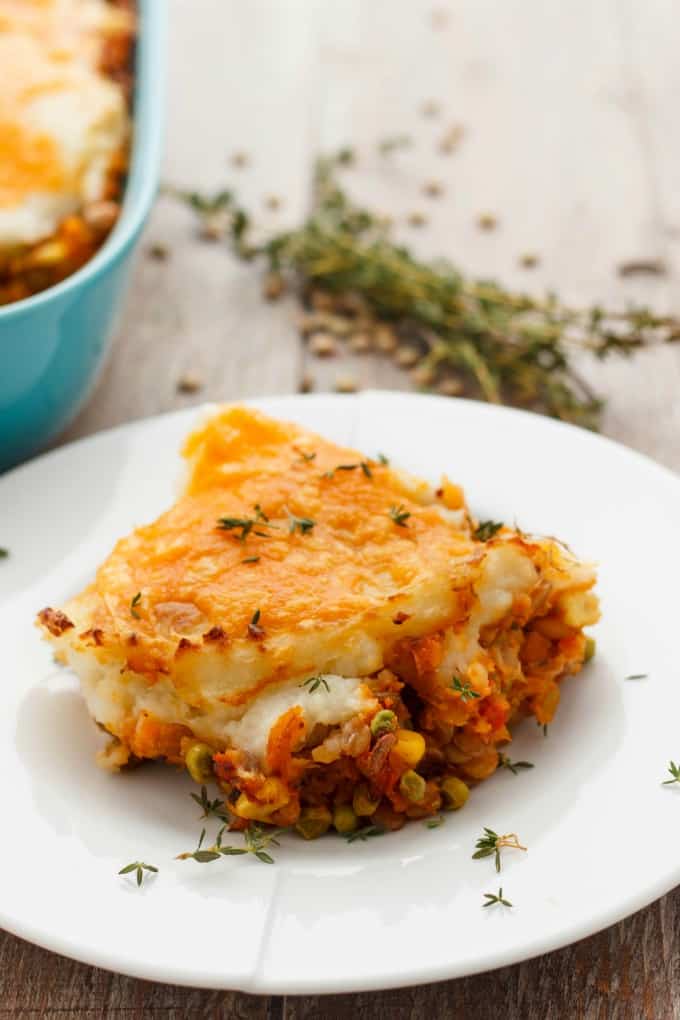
451 139
322 301
274 286
416 219
240 159
359 343
642 267
430 108
423 375
439 18
273 202
385 338
346 384
433 189
189 383
487 221
158 252
323 322
529 260
323 345
306 384
406 357
215 226
450 387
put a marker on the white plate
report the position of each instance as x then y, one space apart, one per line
602 832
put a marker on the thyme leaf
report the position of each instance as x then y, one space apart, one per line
496 898
314 682
254 628
486 530
139 867
301 524
133 606
675 773
465 689
399 515
366 832
513 766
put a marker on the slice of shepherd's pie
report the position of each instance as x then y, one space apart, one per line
328 638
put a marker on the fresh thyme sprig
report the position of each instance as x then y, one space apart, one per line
247 524
139 867
465 689
366 832
491 843
133 606
496 898
4 553
499 345
486 530
314 682
513 766
256 843
211 807
675 772
399 515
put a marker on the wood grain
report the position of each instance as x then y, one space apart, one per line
571 139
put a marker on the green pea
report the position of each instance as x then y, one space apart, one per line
383 722
455 793
198 761
412 786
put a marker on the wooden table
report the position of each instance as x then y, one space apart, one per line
571 141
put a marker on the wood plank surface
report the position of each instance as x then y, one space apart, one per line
571 140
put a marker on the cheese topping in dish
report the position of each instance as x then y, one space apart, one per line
64 129
329 633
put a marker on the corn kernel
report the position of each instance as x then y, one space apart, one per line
410 747
344 818
273 795
362 802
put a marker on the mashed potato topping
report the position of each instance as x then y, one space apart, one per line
322 626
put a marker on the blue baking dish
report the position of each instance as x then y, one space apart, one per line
53 345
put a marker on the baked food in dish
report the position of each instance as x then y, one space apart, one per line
328 637
64 134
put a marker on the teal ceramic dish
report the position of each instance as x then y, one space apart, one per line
53 345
